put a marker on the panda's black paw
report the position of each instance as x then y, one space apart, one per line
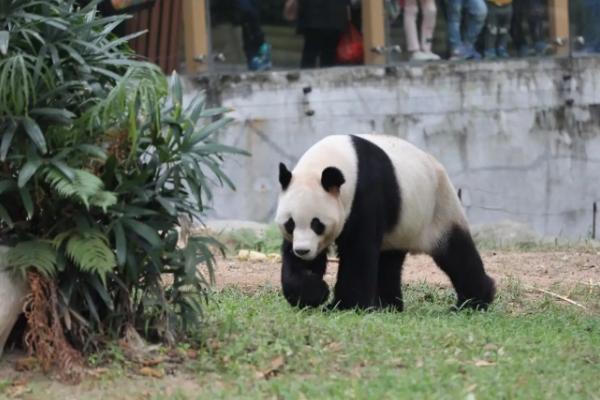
307 292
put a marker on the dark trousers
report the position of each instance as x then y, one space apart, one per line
530 12
497 26
319 44
252 34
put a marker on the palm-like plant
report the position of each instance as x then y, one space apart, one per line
99 159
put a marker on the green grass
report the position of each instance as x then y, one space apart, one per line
255 346
527 349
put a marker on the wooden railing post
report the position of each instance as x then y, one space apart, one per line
559 25
373 26
196 31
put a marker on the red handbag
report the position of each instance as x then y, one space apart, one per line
350 47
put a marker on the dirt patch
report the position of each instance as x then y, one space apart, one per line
540 269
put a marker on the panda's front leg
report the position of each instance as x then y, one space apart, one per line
357 279
302 281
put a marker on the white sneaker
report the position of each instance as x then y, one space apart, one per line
423 56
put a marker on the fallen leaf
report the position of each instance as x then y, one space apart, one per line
17 388
97 372
25 364
192 354
334 346
151 372
152 362
398 363
274 367
484 363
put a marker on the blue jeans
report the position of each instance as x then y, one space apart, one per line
592 24
476 13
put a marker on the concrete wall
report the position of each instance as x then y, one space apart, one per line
520 138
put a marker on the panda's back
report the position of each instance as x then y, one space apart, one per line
427 202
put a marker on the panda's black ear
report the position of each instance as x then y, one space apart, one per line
331 179
285 176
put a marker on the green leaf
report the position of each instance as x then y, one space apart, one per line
85 186
27 202
120 243
167 205
56 114
35 133
7 185
5 216
4 40
176 90
10 126
64 169
28 170
37 254
90 251
93 151
208 130
103 199
144 231
100 288
212 112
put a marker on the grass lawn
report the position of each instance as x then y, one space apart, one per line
255 346
258 347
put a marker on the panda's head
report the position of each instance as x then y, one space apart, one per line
309 212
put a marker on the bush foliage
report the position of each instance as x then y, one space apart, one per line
99 159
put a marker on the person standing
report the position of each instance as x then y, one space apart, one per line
530 13
420 49
321 22
497 28
463 46
592 26
256 49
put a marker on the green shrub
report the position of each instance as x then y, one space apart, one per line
99 160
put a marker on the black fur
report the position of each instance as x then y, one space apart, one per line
332 178
458 257
285 176
390 271
375 211
317 226
289 226
368 277
302 281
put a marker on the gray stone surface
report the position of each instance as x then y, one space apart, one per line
520 138
12 297
504 233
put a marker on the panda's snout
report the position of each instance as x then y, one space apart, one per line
301 252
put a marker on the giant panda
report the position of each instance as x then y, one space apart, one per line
377 198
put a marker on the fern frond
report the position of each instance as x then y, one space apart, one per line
38 254
85 186
90 251
103 199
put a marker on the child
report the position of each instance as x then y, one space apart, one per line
463 46
497 28
420 50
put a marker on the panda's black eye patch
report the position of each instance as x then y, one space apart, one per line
317 226
289 226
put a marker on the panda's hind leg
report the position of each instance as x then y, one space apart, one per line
458 257
389 279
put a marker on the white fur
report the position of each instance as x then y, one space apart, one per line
429 204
